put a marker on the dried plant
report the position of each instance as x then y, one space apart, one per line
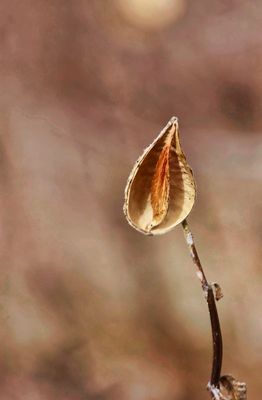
159 195
160 191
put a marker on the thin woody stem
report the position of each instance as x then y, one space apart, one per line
213 385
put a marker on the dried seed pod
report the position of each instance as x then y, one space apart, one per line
160 190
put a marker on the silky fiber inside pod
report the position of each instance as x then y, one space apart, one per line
160 191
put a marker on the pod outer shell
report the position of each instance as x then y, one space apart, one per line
138 205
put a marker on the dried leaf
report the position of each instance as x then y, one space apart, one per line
236 390
160 190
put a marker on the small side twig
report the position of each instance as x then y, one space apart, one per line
213 385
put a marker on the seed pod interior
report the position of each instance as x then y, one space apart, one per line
160 191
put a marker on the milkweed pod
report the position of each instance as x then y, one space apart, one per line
160 190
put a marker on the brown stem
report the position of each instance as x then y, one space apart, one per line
215 325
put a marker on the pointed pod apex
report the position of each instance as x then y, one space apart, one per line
173 120
160 190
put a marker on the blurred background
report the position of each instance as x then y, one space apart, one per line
90 308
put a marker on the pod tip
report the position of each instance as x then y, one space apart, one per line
173 120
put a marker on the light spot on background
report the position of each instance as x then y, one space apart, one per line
151 14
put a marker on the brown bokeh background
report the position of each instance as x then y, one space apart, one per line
89 308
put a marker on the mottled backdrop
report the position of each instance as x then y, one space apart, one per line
89 308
